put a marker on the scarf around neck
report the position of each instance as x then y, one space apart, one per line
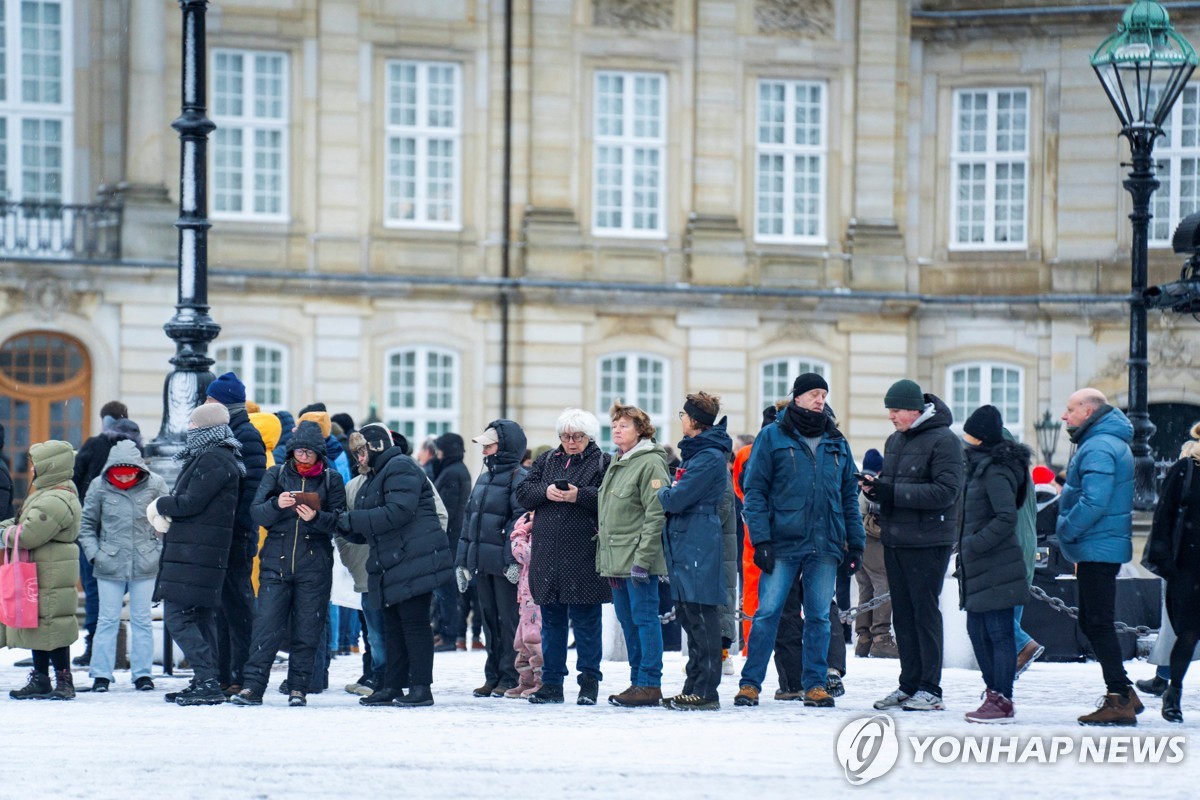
201 440
809 424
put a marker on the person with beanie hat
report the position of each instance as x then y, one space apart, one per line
807 382
333 448
453 484
873 628
872 461
227 389
196 546
918 491
345 421
991 565
313 407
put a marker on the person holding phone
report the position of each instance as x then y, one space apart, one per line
563 486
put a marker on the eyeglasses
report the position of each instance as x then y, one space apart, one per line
573 437
304 451
682 414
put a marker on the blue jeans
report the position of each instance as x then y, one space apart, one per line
332 628
348 628
991 635
141 637
818 576
1022 638
375 636
636 605
91 596
589 648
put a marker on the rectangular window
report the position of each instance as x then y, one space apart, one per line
633 379
974 385
790 162
35 101
423 150
250 145
989 164
260 366
421 392
778 375
1178 157
629 154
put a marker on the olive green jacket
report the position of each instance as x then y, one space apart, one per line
630 515
49 523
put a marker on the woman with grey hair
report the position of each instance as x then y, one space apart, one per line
562 487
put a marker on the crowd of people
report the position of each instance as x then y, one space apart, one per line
267 508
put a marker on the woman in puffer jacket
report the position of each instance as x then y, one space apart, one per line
118 541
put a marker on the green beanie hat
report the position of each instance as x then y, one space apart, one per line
906 395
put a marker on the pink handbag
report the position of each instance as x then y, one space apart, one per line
18 587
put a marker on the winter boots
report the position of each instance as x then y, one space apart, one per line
1114 709
1030 653
817 697
38 688
996 709
746 695
85 659
296 699
144 684
548 694
418 696
64 685
637 697
486 690
1155 686
1170 704
98 685
247 697
691 702
884 647
833 683
589 689
202 693
862 648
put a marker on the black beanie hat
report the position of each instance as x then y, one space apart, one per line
308 436
312 407
344 420
985 424
807 382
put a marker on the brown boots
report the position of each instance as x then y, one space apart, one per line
637 697
1115 709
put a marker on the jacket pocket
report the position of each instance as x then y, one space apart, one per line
145 558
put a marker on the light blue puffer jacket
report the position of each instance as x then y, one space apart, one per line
1095 511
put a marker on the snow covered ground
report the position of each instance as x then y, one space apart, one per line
128 744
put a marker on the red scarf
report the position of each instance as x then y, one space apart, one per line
123 472
312 471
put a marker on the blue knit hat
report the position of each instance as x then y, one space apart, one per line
227 389
872 461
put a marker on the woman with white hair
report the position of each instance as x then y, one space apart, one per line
562 487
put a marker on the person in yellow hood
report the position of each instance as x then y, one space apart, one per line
269 428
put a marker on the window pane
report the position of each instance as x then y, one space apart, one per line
789 180
628 154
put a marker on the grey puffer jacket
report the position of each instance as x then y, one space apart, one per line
114 534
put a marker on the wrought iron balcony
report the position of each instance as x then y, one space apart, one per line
60 231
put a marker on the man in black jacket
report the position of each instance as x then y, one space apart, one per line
918 491
236 617
453 484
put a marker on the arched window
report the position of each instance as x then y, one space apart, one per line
634 378
777 376
980 383
262 366
421 392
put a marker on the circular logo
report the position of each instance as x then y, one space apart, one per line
868 748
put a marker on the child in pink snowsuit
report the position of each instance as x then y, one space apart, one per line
528 641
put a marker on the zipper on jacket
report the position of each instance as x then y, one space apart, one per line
296 539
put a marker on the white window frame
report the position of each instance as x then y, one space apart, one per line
16 111
422 134
964 409
420 414
1178 148
660 417
991 158
629 144
793 366
247 370
791 152
250 125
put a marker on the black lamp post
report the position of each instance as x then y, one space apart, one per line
191 328
1143 68
1047 430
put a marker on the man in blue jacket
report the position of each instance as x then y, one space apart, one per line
1095 530
801 509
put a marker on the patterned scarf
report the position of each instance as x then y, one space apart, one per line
201 440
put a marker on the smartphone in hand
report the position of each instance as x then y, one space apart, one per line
562 486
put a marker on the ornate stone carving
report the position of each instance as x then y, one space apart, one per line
46 297
795 17
631 14
1167 350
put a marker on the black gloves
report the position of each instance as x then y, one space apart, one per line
764 557
882 493
853 561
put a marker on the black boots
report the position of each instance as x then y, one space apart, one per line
1170 704
203 693
589 687
417 696
64 685
38 688
549 693
85 659
1155 686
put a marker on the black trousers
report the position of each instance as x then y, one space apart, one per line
789 641
60 657
915 577
304 599
235 619
409 643
702 623
498 601
1096 585
194 629
1183 609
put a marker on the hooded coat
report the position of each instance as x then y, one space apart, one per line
991 568
1095 508
493 506
49 523
270 429
924 466
692 542
453 484
92 457
114 534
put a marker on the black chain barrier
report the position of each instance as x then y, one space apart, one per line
1058 605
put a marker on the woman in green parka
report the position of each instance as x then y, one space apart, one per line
48 526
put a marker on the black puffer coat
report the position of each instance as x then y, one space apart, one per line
991 566
493 507
562 562
925 467
1167 555
196 547
394 512
453 484
254 457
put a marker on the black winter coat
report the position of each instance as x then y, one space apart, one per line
991 565
562 561
254 457
493 507
1164 553
394 512
925 467
196 546
453 484
291 541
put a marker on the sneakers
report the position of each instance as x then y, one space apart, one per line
99 685
746 695
589 689
144 684
64 685
485 691
1171 711
637 697
247 697
862 648
817 697
1113 710
38 688
296 699
996 710
833 683
205 693
923 701
691 702
361 689
171 697
726 662
1030 653
785 695
1155 686
884 647
550 693
894 700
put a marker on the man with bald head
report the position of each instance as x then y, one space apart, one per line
1095 530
